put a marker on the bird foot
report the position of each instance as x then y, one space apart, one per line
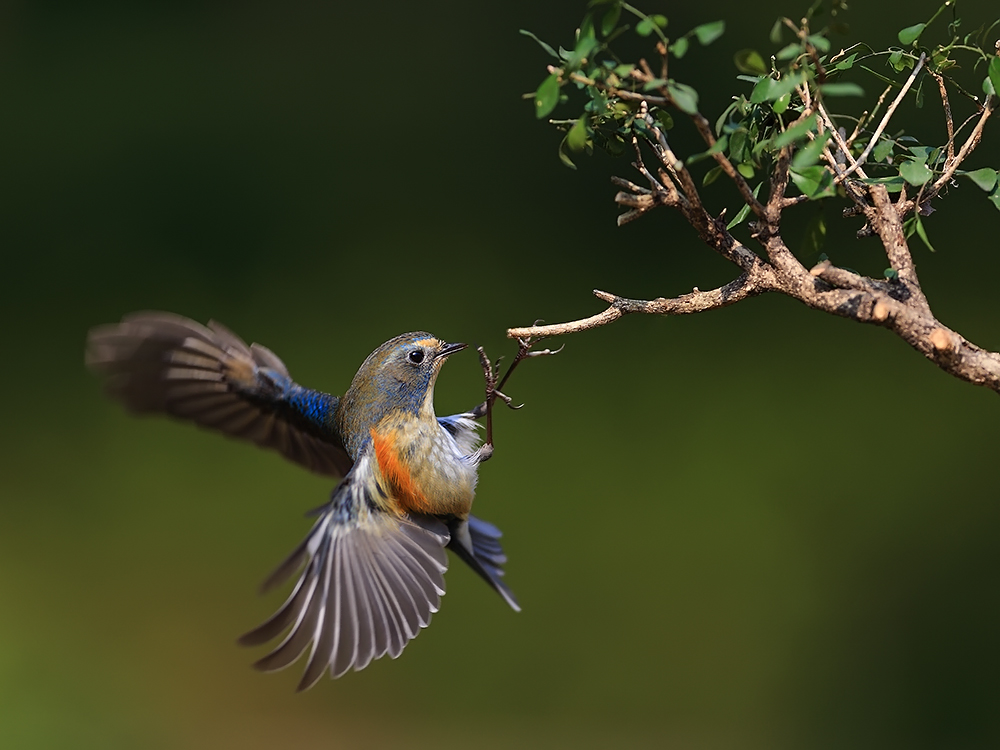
491 372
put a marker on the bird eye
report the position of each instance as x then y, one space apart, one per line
416 356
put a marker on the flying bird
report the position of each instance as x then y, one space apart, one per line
371 569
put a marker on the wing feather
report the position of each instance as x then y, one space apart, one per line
370 581
156 362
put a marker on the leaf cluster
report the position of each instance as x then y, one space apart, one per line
778 112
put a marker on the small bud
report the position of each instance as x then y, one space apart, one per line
819 268
941 340
881 311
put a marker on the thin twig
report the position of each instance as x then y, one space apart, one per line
949 123
705 131
747 285
885 119
967 148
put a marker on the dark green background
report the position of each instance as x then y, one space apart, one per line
757 528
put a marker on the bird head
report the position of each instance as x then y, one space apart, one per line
398 376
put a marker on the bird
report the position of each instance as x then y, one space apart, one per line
371 568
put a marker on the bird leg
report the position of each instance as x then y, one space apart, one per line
494 384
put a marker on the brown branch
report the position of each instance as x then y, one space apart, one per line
946 105
841 278
711 230
705 130
885 119
897 304
747 285
883 216
967 148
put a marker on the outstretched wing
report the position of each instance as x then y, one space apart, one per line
370 582
159 362
477 543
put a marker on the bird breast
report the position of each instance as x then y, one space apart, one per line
423 468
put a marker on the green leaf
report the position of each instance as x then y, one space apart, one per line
737 144
813 182
685 97
847 63
646 25
745 169
613 144
841 89
892 184
709 32
796 132
915 172
995 198
911 33
547 96
776 30
922 154
609 21
790 51
711 176
820 42
815 236
655 83
882 150
679 48
745 211
941 62
761 90
581 52
576 138
922 233
541 44
750 61
985 178
994 71
768 89
563 156
663 118
891 274
810 154
896 60
779 105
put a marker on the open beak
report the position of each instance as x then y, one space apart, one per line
446 350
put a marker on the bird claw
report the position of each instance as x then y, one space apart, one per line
507 399
494 383
544 352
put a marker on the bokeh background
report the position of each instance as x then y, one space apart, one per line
756 528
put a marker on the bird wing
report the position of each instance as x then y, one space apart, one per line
159 362
477 543
370 581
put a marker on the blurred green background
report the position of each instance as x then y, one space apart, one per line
759 528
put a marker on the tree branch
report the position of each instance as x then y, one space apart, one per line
885 120
770 136
746 285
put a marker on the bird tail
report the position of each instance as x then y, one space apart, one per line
477 543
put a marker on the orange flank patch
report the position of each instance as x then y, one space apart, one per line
398 475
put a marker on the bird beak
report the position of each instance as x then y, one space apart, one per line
447 350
